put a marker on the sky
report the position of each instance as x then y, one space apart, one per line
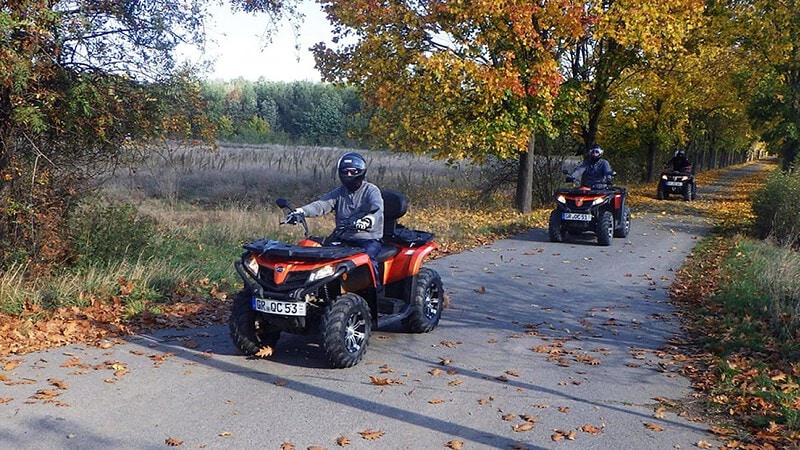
238 47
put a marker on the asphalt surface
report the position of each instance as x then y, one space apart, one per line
543 345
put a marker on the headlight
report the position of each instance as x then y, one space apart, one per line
320 273
598 201
561 199
684 178
664 177
251 264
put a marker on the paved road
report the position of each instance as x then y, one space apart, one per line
565 337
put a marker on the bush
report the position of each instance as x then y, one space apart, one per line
103 234
776 210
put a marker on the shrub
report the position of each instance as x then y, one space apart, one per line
776 210
103 234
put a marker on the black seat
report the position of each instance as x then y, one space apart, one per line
395 206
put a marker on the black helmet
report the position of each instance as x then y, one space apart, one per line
352 169
595 152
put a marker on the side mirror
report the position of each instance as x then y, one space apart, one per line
282 202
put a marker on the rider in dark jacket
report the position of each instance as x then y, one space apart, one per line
679 162
595 172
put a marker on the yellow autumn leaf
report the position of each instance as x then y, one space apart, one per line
454 445
264 352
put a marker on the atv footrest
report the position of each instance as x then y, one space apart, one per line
390 305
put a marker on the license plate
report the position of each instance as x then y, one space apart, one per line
577 216
674 183
278 307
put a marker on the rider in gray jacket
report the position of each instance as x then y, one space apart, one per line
358 205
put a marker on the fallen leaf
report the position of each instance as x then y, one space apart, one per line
435 372
704 444
455 445
436 401
5 399
384 381
172 442
287 446
528 418
371 434
591 429
343 441
225 434
653 427
508 417
523 427
11 365
58 383
264 352
454 383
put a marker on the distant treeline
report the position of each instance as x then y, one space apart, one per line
299 112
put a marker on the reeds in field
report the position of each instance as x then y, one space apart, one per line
257 174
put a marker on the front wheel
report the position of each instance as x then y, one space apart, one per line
625 223
554 229
426 304
345 330
660 191
605 228
243 327
687 191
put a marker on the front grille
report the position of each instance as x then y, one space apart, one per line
293 280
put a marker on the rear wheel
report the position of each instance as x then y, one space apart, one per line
243 327
694 191
625 224
605 228
345 330
426 303
660 192
554 229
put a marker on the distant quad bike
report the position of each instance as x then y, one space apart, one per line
322 286
601 211
678 183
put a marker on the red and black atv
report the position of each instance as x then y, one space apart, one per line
678 183
602 211
319 285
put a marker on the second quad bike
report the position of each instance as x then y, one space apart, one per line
319 286
677 182
601 210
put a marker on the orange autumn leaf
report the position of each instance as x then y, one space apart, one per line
653 427
172 442
384 381
454 445
523 427
370 434
287 446
343 441
436 401
591 429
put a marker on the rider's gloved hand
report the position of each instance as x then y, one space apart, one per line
295 216
363 224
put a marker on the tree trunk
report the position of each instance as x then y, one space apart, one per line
524 196
652 153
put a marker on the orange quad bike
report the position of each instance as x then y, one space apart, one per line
321 286
599 209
